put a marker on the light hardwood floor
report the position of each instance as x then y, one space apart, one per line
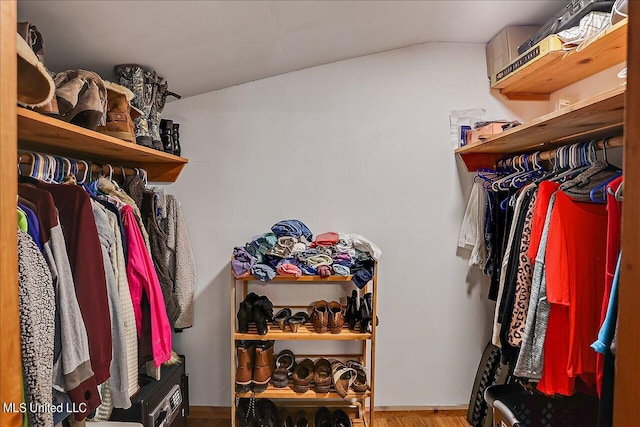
219 417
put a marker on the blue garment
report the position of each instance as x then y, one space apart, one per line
341 270
263 272
293 228
605 336
259 245
34 225
361 278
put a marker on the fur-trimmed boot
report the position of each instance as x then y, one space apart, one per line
120 115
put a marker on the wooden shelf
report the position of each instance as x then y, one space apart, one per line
287 393
593 118
305 333
49 135
559 68
280 278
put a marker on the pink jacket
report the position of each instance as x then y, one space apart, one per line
141 275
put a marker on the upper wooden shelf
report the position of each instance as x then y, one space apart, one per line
593 118
305 333
559 68
279 278
49 135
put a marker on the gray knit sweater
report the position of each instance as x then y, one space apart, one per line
37 330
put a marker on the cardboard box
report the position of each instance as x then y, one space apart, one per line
475 136
502 49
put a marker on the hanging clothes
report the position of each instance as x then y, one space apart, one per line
72 365
575 284
85 258
142 278
36 299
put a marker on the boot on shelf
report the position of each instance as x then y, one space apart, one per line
177 150
120 115
246 353
264 366
166 135
245 312
132 76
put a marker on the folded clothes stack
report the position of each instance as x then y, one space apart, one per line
290 250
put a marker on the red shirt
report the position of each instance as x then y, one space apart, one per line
575 268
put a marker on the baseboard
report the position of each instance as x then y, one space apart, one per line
224 412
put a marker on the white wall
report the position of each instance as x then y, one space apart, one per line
357 146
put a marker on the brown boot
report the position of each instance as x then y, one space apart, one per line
263 369
336 317
120 115
246 361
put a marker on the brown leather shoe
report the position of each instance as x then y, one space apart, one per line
246 359
263 368
320 316
322 376
120 115
303 375
336 317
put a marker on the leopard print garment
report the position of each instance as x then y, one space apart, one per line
37 330
523 282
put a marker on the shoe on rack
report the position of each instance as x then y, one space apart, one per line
360 384
366 313
323 418
320 316
245 312
303 376
352 314
298 319
336 317
301 420
284 419
322 376
342 376
266 413
246 353
341 419
263 368
245 412
285 363
262 314
282 317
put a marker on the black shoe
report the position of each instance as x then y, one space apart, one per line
366 313
244 413
245 312
323 418
341 419
352 313
166 135
176 139
301 420
262 313
266 412
282 318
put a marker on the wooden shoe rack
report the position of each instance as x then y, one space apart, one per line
359 406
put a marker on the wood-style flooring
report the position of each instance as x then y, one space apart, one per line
457 418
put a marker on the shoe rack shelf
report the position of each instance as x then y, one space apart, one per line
287 393
305 333
38 132
286 396
559 68
593 118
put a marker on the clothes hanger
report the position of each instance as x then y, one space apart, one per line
619 191
86 171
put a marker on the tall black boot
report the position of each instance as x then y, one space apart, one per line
166 135
176 139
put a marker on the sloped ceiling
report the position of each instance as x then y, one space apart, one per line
201 46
